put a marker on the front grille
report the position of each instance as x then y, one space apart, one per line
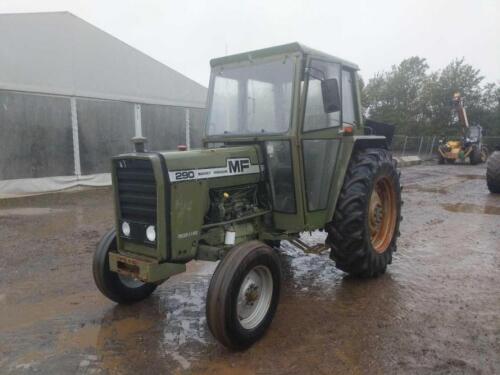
136 190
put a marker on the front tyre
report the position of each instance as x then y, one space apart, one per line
243 294
118 288
273 243
363 233
475 155
441 159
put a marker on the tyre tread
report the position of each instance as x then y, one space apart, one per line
347 234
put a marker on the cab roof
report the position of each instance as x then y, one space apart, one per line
279 50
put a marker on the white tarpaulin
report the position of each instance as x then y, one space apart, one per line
28 186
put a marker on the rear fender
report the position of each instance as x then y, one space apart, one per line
371 141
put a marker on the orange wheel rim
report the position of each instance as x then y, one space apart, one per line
382 214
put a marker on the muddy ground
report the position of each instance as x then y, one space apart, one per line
436 310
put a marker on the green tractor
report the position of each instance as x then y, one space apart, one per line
286 150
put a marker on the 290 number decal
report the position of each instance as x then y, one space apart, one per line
184 175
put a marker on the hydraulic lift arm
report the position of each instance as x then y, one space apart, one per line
458 106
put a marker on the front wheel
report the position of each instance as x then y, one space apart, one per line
363 233
441 159
484 154
243 294
478 155
118 288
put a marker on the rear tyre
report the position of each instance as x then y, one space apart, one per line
493 173
243 295
118 288
484 154
363 233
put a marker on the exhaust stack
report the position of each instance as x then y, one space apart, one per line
139 144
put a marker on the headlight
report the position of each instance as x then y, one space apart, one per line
151 233
126 229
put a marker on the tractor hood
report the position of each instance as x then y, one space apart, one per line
169 191
213 163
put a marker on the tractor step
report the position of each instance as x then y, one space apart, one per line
315 249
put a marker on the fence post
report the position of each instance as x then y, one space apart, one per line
188 133
420 145
404 146
76 140
432 146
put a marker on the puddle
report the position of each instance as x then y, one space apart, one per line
200 267
444 189
471 208
91 336
472 176
427 189
29 211
15 316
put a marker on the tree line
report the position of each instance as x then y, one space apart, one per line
418 101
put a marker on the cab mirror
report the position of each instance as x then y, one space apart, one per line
331 95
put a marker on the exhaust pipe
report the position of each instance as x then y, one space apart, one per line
139 144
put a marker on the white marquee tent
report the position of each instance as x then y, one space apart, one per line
71 96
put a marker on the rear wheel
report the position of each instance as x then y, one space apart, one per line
476 155
365 226
243 294
443 160
484 154
118 288
493 173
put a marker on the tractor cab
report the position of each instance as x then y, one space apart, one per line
302 108
474 134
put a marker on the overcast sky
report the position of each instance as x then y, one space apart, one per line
185 34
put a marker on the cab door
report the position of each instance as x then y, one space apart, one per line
321 141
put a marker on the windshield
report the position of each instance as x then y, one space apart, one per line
474 132
251 99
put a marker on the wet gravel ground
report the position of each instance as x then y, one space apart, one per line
436 310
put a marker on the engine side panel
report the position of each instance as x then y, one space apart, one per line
191 176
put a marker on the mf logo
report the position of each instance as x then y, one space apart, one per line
122 164
238 165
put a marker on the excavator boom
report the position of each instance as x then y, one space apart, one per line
469 146
458 105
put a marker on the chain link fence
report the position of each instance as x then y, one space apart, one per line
426 147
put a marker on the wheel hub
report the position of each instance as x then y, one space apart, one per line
382 215
252 294
130 282
377 212
254 297
484 156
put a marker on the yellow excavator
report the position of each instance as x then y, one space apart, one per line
469 146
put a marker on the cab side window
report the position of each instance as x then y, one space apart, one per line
315 117
348 107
